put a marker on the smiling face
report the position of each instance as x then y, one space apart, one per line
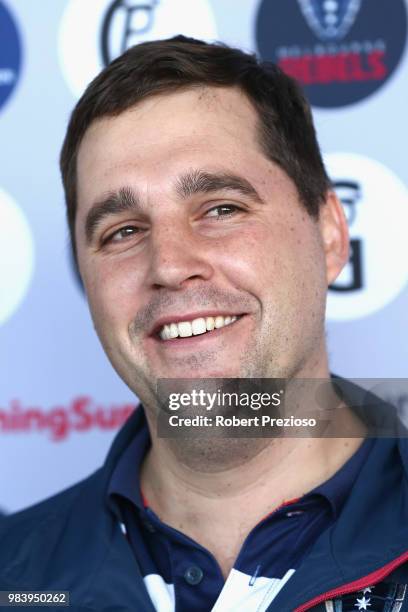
181 218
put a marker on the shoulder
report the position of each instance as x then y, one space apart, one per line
54 505
36 533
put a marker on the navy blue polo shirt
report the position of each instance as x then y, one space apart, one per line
182 575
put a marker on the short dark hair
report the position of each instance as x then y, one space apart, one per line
286 131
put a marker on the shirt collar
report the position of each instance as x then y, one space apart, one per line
337 488
125 479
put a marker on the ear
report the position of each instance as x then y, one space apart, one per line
335 236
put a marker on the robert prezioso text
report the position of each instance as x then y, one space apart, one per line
236 421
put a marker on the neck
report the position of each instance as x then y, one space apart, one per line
205 500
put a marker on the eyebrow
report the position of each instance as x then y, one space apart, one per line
113 203
192 183
197 181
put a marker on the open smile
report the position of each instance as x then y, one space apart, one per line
196 327
189 331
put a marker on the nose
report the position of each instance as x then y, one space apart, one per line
178 256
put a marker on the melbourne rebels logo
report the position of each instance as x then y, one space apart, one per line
341 51
10 54
330 19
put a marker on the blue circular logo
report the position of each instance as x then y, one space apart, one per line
340 51
10 54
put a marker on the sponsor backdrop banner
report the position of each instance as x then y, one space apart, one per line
60 401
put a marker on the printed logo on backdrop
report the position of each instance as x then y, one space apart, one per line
340 51
124 24
349 193
95 32
79 415
16 256
375 202
10 54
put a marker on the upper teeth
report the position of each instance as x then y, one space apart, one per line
184 329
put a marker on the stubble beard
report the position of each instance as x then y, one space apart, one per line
225 450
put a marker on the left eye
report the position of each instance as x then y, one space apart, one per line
223 210
122 234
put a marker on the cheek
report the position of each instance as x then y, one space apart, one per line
269 250
113 293
281 266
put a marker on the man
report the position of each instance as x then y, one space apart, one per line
206 234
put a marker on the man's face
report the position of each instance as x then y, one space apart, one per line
182 217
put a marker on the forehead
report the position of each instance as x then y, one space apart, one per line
201 125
